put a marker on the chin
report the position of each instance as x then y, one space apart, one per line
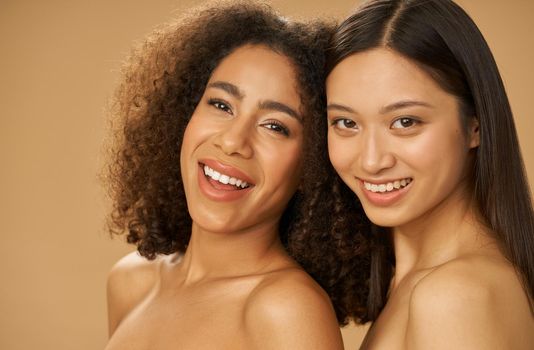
384 218
213 223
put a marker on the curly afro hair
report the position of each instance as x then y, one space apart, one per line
163 82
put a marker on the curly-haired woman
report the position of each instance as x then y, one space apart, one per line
221 114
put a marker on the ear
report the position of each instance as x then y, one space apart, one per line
473 133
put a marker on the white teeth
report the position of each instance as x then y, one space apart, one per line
224 179
386 187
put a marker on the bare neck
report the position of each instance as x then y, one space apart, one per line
446 232
232 254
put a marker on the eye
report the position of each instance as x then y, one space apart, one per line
404 123
220 104
276 126
344 123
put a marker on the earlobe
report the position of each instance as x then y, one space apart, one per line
474 133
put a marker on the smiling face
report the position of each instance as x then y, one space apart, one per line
241 152
395 137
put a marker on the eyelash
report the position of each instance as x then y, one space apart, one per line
220 105
224 106
335 123
282 128
412 120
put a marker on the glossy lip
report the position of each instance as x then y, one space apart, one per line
214 190
384 199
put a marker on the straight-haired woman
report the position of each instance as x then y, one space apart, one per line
421 130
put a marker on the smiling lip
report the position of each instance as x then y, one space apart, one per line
217 191
227 170
383 199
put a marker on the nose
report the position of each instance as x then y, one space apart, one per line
235 138
375 153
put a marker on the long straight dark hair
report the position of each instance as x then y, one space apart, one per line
445 42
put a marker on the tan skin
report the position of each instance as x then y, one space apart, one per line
235 287
452 288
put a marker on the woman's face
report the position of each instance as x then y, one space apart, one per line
241 152
395 137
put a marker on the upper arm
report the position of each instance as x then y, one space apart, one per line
129 281
454 310
292 315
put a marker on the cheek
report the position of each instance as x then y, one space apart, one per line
185 148
283 164
198 130
341 152
185 164
188 143
195 134
439 154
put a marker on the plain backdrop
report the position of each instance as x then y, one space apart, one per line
59 64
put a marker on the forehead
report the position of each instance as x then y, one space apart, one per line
382 75
260 73
254 60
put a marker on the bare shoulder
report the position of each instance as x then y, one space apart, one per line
475 302
289 310
129 281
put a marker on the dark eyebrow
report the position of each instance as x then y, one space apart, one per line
280 107
268 104
383 110
228 87
403 104
339 107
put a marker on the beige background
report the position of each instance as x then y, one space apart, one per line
59 62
